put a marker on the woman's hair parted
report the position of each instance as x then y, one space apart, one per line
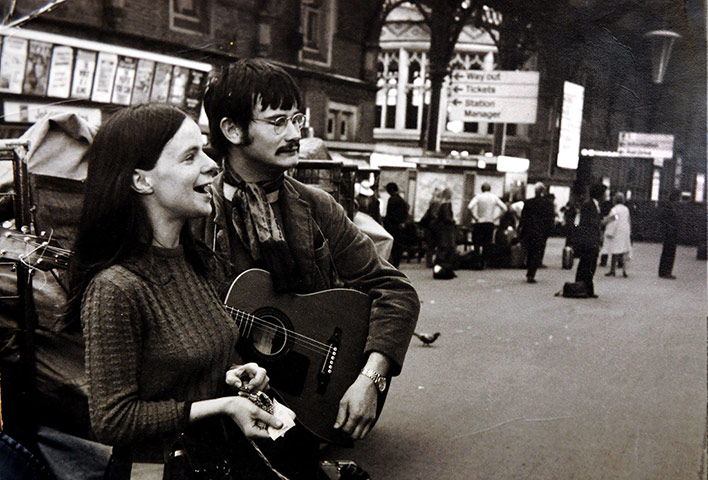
113 220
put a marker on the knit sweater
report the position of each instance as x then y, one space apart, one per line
157 338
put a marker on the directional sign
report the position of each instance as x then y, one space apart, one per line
646 145
495 96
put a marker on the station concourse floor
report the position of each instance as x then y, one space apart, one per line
525 385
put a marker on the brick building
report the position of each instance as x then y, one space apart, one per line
92 56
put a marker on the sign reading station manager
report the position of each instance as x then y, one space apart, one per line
494 96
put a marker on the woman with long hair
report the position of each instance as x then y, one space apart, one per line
160 347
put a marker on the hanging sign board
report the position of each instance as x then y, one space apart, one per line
645 145
571 123
493 96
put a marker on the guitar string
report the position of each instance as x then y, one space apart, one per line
61 252
28 236
24 259
33 270
301 339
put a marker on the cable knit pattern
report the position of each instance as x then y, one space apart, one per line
157 336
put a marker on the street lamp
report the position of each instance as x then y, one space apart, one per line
661 42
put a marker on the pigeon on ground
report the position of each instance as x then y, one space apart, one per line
427 338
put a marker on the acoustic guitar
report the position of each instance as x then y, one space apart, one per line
311 345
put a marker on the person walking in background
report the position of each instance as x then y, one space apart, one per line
588 239
446 231
144 291
394 221
486 208
618 234
427 223
668 223
535 226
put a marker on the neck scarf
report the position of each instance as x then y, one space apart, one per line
255 223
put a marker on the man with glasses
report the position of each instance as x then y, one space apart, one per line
263 218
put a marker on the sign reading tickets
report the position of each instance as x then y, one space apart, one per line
645 145
493 96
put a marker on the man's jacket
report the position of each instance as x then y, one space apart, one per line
330 252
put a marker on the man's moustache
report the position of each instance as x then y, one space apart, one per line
289 147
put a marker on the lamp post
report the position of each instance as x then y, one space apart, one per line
661 42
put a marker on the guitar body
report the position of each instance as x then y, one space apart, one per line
311 345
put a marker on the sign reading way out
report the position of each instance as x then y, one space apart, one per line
493 96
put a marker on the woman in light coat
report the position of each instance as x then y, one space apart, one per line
618 232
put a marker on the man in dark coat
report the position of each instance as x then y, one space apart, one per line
589 238
669 232
535 226
394 221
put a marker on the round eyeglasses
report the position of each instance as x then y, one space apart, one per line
280 123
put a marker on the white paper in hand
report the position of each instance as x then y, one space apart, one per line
285 415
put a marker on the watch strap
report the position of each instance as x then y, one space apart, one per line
375 376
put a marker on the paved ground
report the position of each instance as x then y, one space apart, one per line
522 384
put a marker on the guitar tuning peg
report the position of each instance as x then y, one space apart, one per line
24 229
42 233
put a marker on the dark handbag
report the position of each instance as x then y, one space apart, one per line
575 290
216 449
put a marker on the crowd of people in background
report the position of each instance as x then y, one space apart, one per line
513 232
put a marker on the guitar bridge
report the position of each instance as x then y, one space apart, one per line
327 367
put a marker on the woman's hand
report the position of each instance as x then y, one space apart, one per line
250 418
248 377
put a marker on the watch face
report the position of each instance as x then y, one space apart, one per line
381 384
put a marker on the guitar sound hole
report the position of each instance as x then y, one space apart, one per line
271 337
270 340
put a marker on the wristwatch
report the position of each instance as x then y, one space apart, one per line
378 379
